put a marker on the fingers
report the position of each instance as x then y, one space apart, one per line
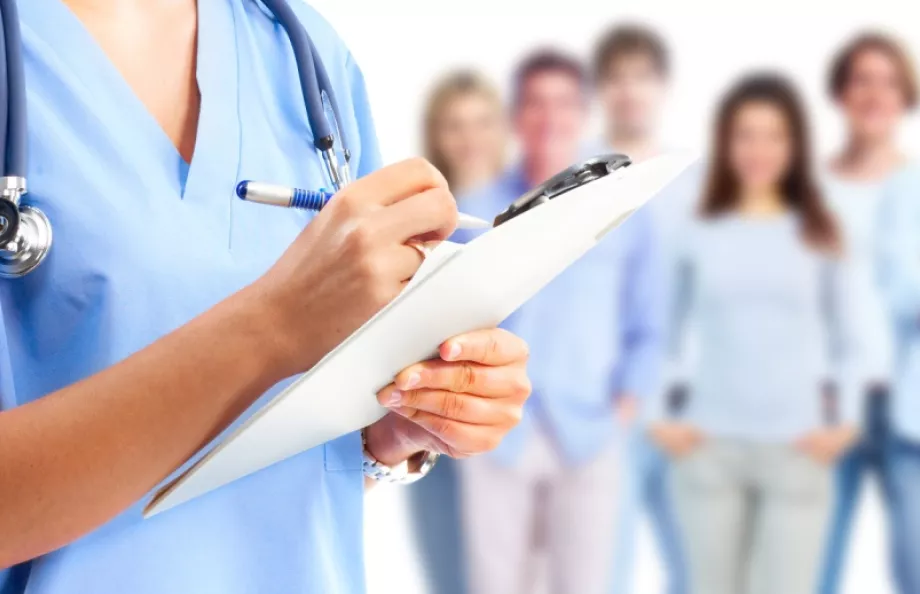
463 408
402 261
471 397
461 438
393 183
489 347
465 377
429 215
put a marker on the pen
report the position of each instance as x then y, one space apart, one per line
275 195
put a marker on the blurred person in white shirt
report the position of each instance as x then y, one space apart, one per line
873 84
632 68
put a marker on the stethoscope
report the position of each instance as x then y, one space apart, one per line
25 231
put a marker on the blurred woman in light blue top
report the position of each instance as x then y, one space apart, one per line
762 277
873 83
466 138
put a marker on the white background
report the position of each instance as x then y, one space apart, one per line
402 45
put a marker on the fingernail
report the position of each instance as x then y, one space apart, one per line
453 351
412 381
394 399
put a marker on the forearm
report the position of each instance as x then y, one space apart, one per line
74 459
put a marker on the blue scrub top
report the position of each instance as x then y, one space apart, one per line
143 244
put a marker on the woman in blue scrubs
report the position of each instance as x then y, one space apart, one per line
167 307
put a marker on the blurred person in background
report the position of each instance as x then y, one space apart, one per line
873 83
898 251
596 336
899 272
631 72
465 130
761 274
465 137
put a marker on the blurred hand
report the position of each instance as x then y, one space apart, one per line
827 445
351 260
461 404
627 407
676 439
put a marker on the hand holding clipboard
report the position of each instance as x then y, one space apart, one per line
457 290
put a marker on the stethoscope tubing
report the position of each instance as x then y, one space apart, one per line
314 79
20 255
16 144
4 95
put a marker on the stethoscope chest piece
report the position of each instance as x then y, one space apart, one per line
27 230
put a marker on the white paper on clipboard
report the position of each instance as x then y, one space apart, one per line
458 289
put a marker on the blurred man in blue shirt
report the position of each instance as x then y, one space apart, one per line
595 338
631 70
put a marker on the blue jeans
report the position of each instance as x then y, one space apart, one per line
904 509
869 456
650 490
435 510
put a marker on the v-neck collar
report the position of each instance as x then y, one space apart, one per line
216 157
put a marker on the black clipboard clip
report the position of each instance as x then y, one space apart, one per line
575 176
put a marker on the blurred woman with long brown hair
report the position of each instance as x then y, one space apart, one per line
762 276
465 133
465 137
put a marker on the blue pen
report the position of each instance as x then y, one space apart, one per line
315 200
263 193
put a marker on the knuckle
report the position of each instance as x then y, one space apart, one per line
444 201
465 378
492 347
515 415
521 386
360 239
443 427
410 399
346 204
426 173
518 344
452 405
525 349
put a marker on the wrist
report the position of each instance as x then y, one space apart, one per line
387 444
267 333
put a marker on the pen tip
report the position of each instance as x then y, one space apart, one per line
241 189
466 221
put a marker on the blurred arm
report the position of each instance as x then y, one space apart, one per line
675 292
847 338
643 314
899 250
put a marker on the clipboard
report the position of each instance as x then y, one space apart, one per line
459 288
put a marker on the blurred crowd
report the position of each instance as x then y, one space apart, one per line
734 362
